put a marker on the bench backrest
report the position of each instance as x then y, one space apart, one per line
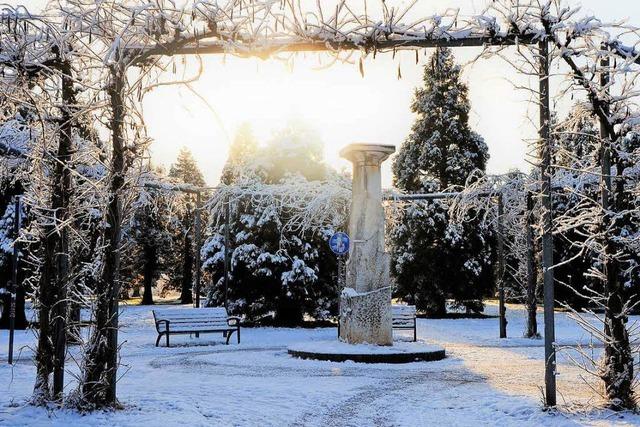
193 318
403 315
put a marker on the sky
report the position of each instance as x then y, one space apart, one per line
338 103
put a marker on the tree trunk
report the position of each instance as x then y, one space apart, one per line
617 369
52 339
288 312
435 304
101 364
44 353
150 267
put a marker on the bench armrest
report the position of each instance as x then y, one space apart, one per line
162 321
234 319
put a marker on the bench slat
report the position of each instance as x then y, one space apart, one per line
193 319
192 312
194 324
200 329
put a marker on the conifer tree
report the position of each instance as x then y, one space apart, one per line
268 278
434 259
441 148
151 230
186 170
243 148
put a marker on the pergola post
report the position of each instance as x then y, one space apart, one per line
532 279
226 251
501 267
547 226
197 227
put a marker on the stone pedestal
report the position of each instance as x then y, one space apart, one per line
365 303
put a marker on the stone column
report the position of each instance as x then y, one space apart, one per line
365 303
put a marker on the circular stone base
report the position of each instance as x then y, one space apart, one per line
336 351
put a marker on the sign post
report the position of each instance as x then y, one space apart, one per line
339 244
13 288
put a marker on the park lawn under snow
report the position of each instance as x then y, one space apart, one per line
199 382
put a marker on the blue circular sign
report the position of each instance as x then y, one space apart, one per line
339 243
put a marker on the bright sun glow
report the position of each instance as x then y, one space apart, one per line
336 101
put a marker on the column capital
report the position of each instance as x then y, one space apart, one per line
369 154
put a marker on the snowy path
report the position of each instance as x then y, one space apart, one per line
484 381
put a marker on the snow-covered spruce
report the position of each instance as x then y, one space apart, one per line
435 258
284 204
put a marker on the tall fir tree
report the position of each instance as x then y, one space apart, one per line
185 170
577 148
433 258
441 148
243 148
152 231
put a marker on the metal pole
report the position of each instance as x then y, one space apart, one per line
14 278
547 228
226 253
532 325
198 248
503 310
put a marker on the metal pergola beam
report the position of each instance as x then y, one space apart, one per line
183 188
204 47
432 196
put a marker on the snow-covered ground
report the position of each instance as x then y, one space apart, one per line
202 382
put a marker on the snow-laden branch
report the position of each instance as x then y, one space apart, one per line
302 205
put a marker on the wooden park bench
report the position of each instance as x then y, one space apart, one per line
195 321
403 317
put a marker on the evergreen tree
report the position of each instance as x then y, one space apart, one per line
151 230
433 258
268 278
185 170
441 146
243 148
576 141
576 138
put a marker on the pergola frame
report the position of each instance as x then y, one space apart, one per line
203 48
137 56
200 44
